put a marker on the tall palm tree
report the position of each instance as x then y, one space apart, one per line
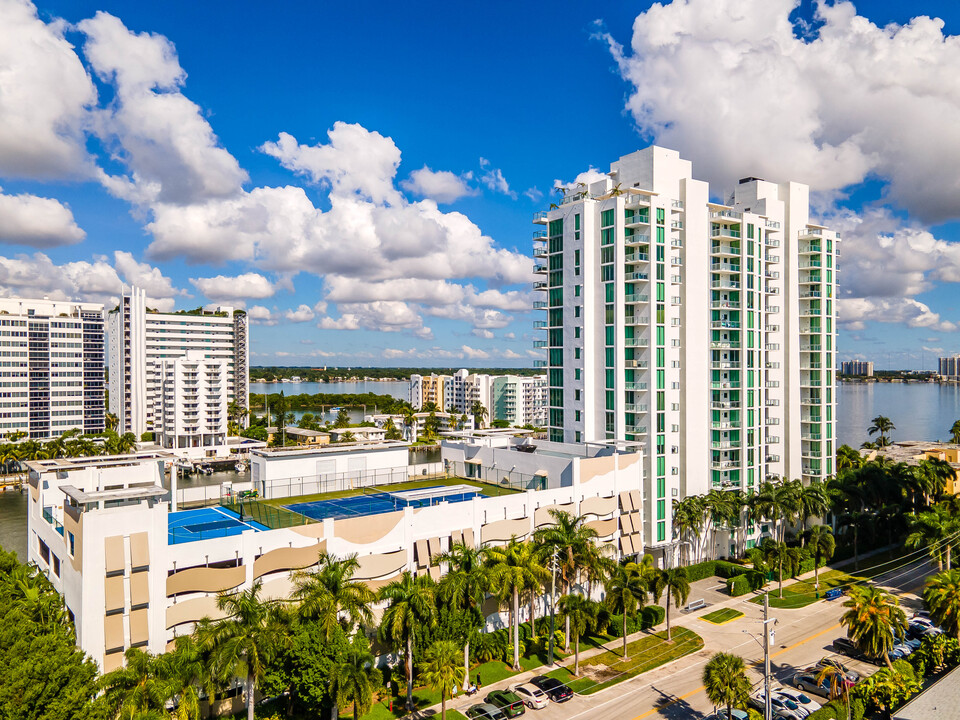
513 570
725 681
882 426
775 502
722 510
353 679
821 544
782 556
812 501
932 530
874 620
689 519
464 587
411 605
941 595
111 421
580 611
243 643
573 542
837 680
441 670
625 594
479 413
331 595
672 582
138 689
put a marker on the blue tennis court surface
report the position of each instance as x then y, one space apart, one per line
204 523
374 503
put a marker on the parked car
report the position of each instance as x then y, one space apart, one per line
509 702
807 682
485 711
534 697
555 690
921 626
782 707
846 646
851 675
903 648
799 698
722 715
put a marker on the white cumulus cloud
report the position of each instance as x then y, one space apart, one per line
37 221
248 286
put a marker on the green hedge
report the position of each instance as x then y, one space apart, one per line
727 570
701 570
744 583
616 626
650 616
837 710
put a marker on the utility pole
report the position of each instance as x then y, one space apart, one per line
767 636
553 595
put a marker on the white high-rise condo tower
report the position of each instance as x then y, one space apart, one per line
705 330
51 374
142 344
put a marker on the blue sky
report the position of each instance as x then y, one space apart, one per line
274 157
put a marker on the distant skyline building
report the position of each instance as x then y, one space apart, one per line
52 367
142 340
857 367
520 400
191 405
949 367
704 330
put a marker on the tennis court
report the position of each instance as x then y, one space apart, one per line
374 502
205 523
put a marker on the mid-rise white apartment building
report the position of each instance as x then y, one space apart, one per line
857 367
51 367
141 340
520 400
705 330
191 407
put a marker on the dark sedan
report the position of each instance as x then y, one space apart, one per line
555 690
509 702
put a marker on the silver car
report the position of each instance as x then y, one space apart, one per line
532 696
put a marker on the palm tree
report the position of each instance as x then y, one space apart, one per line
353 679
244 642
776 502
185 669
882 426
411 605
874 620
955 432
941 596
479 413
111 421
625 594
812 501
513 570
137 690
689 518
932 530
674 583
441 670
837 679
720 509
821 544
848 458
572 540
781 555
464 587
330 592
725 681
580 612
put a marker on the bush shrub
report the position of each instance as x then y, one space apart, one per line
727 570
616 626
650 616
744 583
701 570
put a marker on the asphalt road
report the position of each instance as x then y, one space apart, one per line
802 637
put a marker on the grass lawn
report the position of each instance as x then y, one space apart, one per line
803 593
486 488
724 615
642 655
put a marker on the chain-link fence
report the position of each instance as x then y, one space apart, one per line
500 477
329 482
267 515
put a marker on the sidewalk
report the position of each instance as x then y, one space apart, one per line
678 618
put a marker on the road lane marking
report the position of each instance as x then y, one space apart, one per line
806 640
